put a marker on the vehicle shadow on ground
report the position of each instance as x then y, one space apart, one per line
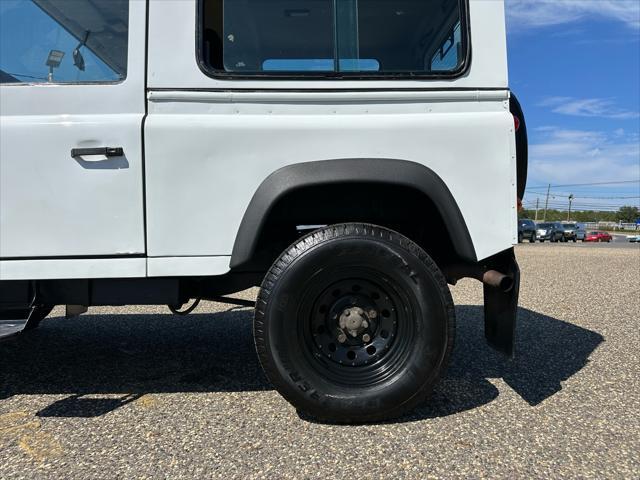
106 361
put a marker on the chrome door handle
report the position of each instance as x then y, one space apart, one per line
106 151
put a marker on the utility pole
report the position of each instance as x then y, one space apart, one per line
537 206
546 204
569 213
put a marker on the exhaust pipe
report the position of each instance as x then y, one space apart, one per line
492 278
499 280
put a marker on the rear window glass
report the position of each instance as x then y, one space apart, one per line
332 36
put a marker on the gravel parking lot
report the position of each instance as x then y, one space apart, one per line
137 392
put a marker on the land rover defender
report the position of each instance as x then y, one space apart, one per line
349 157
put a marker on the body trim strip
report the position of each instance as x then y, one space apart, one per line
327 96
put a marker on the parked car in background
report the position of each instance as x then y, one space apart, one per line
526 230
569 230
551 231
598 236
633 238
581 233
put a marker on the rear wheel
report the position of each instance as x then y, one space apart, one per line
354 323
532 238
520 237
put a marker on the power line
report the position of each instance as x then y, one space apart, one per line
605 198
563 194
586 184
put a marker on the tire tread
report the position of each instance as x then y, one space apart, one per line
315 239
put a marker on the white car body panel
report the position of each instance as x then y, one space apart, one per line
68 268
193 142
171 25
209 143
187 266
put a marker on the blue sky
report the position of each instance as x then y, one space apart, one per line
575 66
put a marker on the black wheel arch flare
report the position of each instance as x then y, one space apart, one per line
401 173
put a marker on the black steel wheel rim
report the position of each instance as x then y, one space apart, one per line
347 356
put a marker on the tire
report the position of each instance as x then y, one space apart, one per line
532 238
38 314
308 291
520 237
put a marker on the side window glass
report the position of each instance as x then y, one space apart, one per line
448 54
63 41
370 37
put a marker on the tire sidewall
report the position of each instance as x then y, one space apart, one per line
293 370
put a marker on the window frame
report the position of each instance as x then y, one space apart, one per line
463 68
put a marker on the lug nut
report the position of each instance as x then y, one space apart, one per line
366 338
342 338
372 313
365 324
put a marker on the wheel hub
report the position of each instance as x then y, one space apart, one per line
354 323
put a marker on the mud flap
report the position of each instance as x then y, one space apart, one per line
501 308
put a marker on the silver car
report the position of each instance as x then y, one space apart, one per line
581 232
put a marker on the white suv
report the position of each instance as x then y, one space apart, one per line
342 155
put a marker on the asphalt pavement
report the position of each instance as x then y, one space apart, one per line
136 392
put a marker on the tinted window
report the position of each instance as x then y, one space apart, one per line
62 41
329 36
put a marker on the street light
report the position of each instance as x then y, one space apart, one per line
570 200
53 61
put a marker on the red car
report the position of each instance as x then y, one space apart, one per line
598 237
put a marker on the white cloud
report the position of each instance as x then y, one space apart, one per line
579 156
541 13
588 107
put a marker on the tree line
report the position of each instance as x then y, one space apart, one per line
625 214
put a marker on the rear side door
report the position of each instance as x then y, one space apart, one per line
72 102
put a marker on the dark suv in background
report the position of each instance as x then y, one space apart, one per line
526 229
551 231
570 231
